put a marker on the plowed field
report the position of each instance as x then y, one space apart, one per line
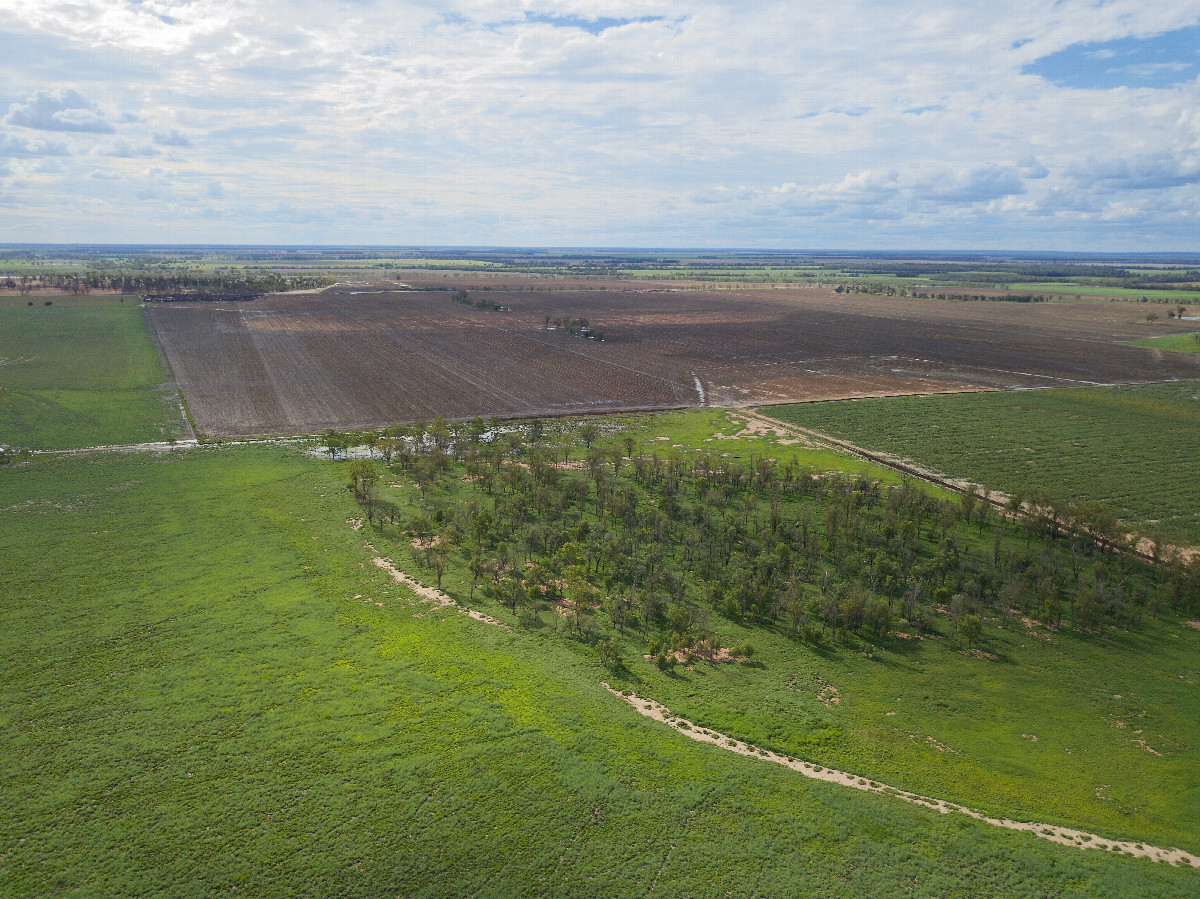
360 356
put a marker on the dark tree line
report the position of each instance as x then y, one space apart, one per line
164 283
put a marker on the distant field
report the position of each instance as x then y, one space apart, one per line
80 372
1132 448
368 355
1131 293
209 688
1177 343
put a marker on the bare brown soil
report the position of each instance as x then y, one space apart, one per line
367 354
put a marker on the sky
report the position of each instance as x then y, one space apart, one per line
1025 125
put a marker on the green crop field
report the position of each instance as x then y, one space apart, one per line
209 688
1178 343
1174 295
1131 448
81 372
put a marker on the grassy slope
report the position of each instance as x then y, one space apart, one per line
80 373
1179 343
1083 697
1132 448
197 699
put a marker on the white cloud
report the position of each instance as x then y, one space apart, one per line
122 149
700 123
60 110
172 138
14 145
164 26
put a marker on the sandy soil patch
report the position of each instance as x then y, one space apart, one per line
436 598
1141 741
937 744
754 426
1052 832
1192 622
977 654
1145 546
703 654
307 290
827 693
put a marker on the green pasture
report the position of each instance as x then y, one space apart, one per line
1038 725
80 372
1035 725
209 688
1176 343
724 433
1132 448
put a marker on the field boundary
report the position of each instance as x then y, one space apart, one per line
994 498
904 467
1065 836
172 383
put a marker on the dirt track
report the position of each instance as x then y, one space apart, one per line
1139 545
1063 835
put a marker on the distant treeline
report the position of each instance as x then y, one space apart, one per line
881 288
201 297
982 298
163 285
464 299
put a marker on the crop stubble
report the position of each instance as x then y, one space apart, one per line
347 358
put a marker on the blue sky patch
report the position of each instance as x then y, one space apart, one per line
1160 61
591 26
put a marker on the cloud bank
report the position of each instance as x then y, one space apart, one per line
1071 126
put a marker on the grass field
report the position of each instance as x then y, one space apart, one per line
697 430
209 688
1178 343
991 731
81 372
1132 448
